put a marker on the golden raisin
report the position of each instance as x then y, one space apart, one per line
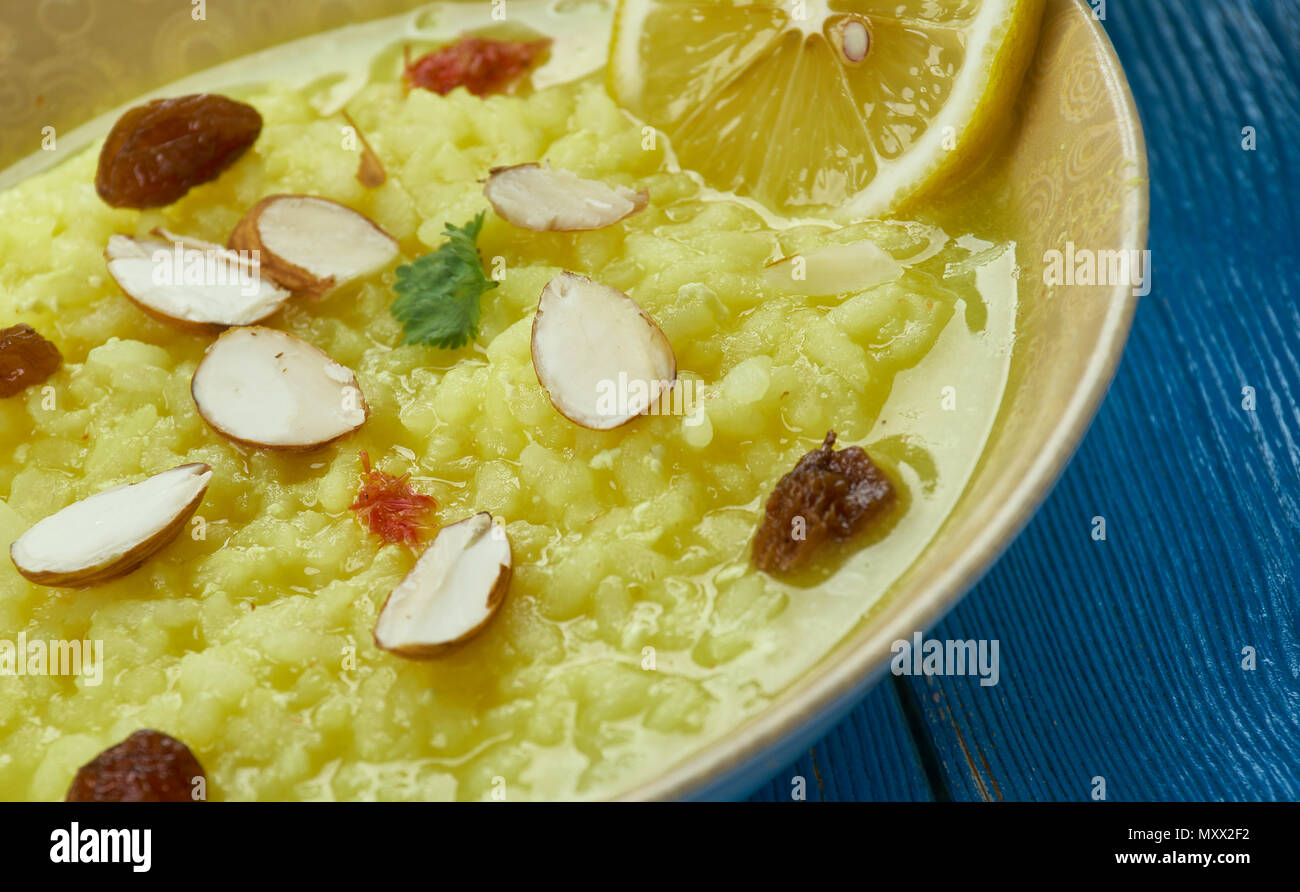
159 151
26 358
148 766
829 495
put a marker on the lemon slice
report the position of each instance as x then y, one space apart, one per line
811 105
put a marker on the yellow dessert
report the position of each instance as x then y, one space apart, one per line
636 627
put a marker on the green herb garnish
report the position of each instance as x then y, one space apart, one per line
438 294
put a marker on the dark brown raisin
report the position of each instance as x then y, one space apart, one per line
26 358
159 151
148 766
829 495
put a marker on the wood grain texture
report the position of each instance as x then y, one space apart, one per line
1123 658
868 756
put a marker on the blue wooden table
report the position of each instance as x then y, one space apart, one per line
1165 659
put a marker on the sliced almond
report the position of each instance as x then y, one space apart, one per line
189 242
112 532
370 170
600 358
312 245
546 199
450 594
265 388
191 283
833 269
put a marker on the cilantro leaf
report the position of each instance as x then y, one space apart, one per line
438 294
